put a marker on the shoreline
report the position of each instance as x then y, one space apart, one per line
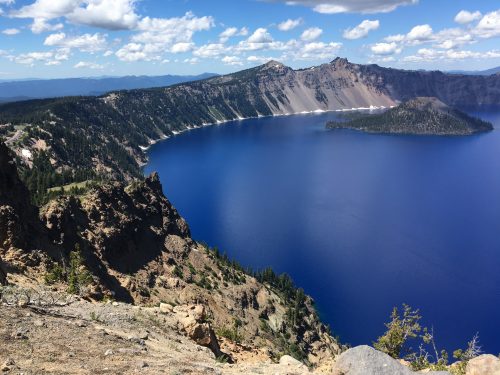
163 137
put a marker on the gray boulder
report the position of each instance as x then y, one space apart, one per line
364 360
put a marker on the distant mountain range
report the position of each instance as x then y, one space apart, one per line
487 72
11 91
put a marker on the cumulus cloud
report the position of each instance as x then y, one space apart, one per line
361 30
489 25
420 33
11 31
41 25
464 16
86 42
385 48
210 50
231 32
260 35
89 65
107 14
48 57
350 6
311 34
429 54
159 35
290 24
232 60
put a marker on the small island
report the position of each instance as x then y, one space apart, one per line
420 116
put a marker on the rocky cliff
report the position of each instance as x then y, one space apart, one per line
422 115
128 243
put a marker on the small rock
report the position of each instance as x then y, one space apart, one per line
142 364
143 336
109 352
7 365
80 323
290 361
166 308
116 304
22 303
38 323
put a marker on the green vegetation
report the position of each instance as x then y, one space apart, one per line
404 327
75 273
231 333
417 116
44 181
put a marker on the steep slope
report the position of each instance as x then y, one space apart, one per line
456 90
128 243
421 115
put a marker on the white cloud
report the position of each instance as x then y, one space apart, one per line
157 36
489 25
232 31
48 58
420 33
40 25
317 50
351 6
107 53
192 60
385 48
464 16
89 65
86 42
259 59
210 50
260 36
107 14
290 24
182 47
428 54
11 31
232 60
361 30
311 34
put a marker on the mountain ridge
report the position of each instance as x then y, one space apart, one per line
108 135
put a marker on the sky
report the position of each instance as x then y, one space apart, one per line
79 38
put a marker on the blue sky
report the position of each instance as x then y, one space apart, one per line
72 38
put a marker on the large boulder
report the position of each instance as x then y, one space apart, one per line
485 364
364 360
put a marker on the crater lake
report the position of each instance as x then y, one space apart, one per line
362 222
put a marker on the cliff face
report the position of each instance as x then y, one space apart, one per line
127 242
423 115
456 90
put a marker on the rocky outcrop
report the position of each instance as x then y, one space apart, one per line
363 360
18 217
422 116
3 273
485 364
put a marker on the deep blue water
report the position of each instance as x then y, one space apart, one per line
362 222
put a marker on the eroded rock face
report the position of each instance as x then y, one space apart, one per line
192 321
363 360
3 274
125 226
485 364
18 217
